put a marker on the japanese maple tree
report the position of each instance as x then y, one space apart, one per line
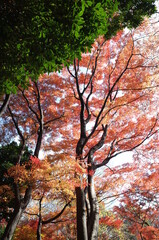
139 202
112 86
25 118
52 194
40 36
132 189
102 106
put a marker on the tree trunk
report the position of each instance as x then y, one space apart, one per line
17 214
81 215
40 220
5 104
12 224
39 229
93 218
87 221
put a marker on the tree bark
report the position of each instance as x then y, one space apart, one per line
5 104
93 218
39 229
40 221
81 214
11 226
16 216
87 221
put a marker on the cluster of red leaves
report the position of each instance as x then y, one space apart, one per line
34 161
110 221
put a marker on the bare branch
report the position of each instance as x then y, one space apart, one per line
58 215
107 159
53 120
93 71
109 93
138 89
16 125
31 214
41 123
101 141
70 72
29 106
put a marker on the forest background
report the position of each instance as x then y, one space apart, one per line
99 105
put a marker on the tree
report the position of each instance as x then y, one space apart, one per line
116 66
46 226
32 105
40 36
54 194
134 194
9 155
51 196
118 79
139 203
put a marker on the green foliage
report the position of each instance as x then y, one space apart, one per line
130 14
9 157
134 11
39 36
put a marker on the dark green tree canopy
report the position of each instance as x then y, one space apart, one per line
39 36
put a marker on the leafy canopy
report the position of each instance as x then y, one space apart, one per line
9 155
39 36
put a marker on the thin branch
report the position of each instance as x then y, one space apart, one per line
53 120
100 142
31 214
108 95
93 71
31 109
107 159
137 89
70 72
38 100
41 123
74 93
142 66
58 215
16 126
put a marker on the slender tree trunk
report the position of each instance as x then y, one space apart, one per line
17 214
9 231
87 219
93 218
12 224
40 220
39 229
81 214
5 104
23 203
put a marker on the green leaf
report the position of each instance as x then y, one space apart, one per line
80 13
98 5
89 3
18 46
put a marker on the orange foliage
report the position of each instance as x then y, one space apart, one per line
139 201
112 90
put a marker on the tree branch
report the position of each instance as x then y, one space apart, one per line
58 215
107 159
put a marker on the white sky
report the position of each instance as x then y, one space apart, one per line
121 159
